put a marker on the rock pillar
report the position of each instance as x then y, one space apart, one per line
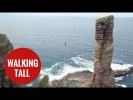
103 75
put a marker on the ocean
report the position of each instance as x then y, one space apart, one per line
47 37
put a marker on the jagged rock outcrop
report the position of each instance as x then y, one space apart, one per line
82 78
128 71
5 48
44 82
76 79
103 75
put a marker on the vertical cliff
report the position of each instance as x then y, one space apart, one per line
103 75
5 48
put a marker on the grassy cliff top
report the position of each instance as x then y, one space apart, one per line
105 19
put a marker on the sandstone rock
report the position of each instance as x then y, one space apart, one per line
5 48
103 75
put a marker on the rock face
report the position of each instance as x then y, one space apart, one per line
103 75
128 71
5 48
44 82
77 79
82 78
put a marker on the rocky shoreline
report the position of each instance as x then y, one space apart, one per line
82 78
128 71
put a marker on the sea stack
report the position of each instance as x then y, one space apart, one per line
103 75
5 48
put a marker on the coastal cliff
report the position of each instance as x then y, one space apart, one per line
103 75
5 48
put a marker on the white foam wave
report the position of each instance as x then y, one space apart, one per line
46 69
63 68
117 61
122 85
120 67
119 78
67 69
78 59
83 62
119 54
30 85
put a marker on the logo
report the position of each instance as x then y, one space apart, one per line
23 65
